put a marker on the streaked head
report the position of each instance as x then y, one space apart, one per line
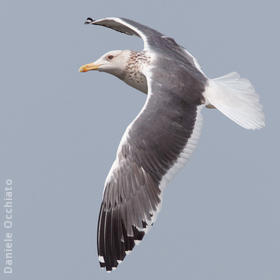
113 62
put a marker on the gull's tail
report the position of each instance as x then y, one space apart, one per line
236 98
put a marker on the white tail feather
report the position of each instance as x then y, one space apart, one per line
236 98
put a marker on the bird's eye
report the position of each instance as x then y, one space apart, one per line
109 57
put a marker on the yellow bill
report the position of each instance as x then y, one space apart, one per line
88 67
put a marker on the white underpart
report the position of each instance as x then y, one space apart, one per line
236 98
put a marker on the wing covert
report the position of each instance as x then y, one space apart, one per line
153 40
154 146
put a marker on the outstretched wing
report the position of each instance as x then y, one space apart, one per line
153 147
153 40
129 27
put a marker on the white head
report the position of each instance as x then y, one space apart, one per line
113 62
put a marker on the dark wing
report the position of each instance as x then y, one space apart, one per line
153 40
153 147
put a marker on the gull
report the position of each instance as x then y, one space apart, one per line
163 135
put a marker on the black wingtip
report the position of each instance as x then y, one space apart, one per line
89 20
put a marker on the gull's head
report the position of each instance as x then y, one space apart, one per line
113 62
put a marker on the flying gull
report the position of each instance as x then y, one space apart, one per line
163 135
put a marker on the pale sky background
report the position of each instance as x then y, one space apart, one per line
59 131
